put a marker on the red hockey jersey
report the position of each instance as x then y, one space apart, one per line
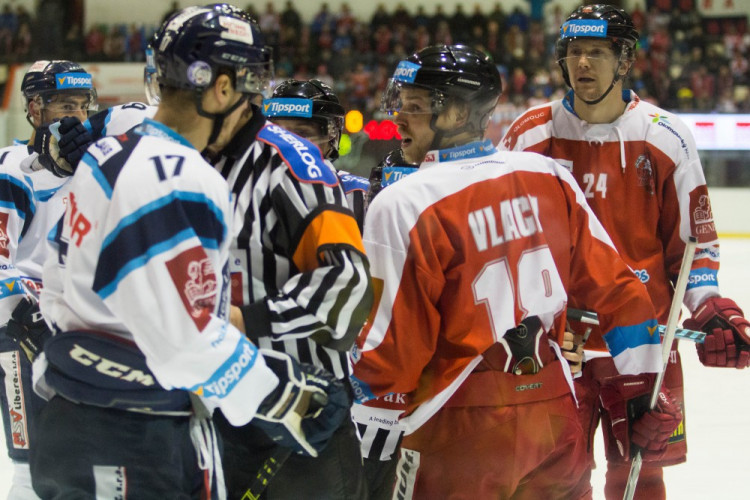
466 248
643 179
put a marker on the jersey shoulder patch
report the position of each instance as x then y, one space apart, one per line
351 182
302 156
104 149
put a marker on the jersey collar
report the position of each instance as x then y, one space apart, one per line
157 129
628 96
476 149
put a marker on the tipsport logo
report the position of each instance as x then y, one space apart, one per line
73 81
588 28
298 108
406 72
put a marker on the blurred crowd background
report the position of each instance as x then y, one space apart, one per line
685 62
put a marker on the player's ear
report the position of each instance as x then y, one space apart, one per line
221 92
35 111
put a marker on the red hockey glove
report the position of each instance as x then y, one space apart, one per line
728 333
652 431
625 400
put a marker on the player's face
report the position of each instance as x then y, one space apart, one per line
62 105
413 122
591 67
233 122
307 129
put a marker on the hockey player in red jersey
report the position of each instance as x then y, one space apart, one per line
640 171
473 258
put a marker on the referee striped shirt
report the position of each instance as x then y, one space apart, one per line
298 268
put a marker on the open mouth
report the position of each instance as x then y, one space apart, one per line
405 142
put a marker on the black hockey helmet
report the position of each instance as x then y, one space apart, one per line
448 71
598 21
45 80
195 44
309 99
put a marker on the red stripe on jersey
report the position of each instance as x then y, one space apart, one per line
529 120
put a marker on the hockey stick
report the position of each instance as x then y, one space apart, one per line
278 457
680 333
666 346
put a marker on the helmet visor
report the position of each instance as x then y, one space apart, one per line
254 78
150 83
409 98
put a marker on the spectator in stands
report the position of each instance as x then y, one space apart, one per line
290 18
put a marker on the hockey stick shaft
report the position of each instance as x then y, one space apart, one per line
278 457
591 318
666 347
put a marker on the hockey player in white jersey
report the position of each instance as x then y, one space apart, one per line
311 109
30 204
63 144
137 296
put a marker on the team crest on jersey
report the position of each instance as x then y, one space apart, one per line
303 157
645 173
195 280
702 217
4 240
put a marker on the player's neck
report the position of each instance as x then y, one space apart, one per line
193 127
606 111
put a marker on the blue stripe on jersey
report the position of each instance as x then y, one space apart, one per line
230 373
97 124
362 391
10 287
703 276
15 195
46 194
153 229
622 338
99 176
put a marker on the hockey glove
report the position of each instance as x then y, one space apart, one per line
727 341
61 145
625 402
27 327
305 409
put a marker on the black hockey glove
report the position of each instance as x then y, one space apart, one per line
74 140
27 327
61 145
306 408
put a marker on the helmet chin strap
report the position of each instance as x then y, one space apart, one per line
218 118
615 79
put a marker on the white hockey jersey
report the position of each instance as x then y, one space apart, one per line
30 205
142 257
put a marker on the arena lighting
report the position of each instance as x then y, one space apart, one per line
353 121
381 131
